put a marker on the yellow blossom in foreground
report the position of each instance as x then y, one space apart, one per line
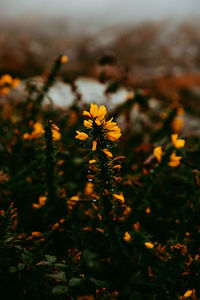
148 245
99 113
119 197
94 146
178 143
174 160
127 237
81 135
96 112
188 293
88 123
114 135
98 122
87 114
107 152
158 153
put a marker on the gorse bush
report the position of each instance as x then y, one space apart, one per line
92 211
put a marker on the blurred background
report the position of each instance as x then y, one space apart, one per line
152 44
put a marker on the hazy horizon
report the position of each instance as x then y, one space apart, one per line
97 15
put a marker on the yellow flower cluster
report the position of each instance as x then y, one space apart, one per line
97 118
7 82
174 160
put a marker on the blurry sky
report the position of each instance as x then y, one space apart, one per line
100 13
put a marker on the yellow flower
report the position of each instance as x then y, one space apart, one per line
188 293
36 205
108 153
177 124
55 133
89 188
6 79
88 123
148 245
81 135
119 197
158 153
98 122
148 210
37 130
127 237
109 124
55 226
42 200
64 59
174 160
94 146
92 161
96 112
102 112
178 143
113 135
87 114
75 198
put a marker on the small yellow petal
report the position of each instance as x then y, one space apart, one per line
188 293
88 123
119 197
127 237
81 135
94 146
113 136
35 205
42 200
173 164
148 245
102 112
93 110
86 113
98 122
158 153
108 153
92 161
178 143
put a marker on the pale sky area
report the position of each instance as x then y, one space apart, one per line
100 13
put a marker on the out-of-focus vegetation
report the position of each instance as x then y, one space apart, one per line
101 202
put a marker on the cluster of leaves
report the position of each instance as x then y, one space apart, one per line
104 231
